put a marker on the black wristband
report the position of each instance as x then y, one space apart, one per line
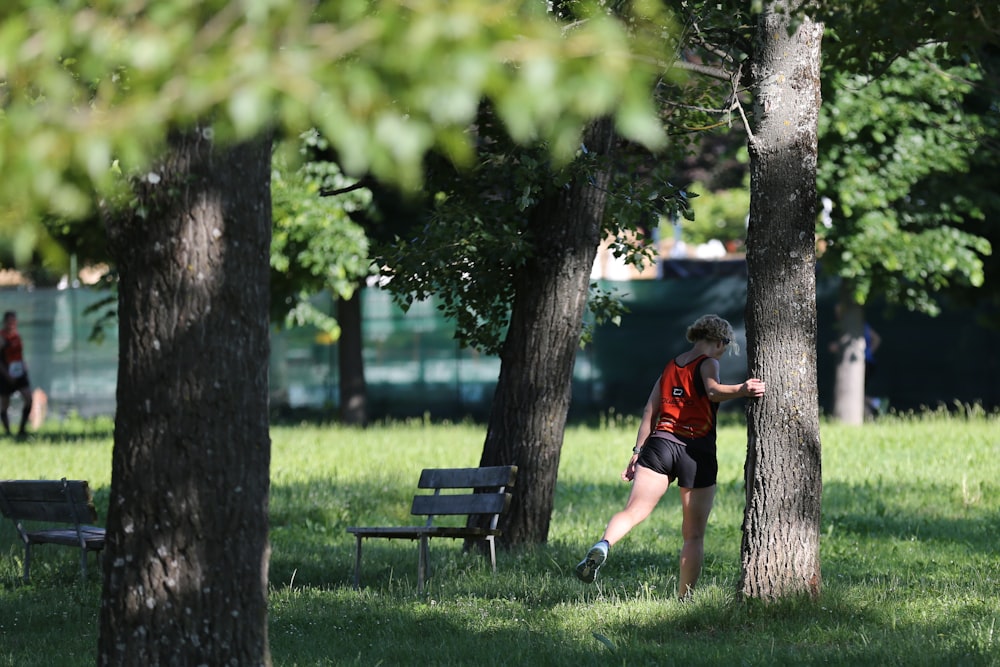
636 449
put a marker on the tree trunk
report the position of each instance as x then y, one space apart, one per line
353 389
528 414
849 380
185 577
780 550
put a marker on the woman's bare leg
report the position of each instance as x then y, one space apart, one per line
696 505
647 489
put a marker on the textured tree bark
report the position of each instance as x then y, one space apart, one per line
353 388
528 414
780 549
185 577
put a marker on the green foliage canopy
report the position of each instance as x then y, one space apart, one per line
865 36
896 152
315 245
88 84
472 236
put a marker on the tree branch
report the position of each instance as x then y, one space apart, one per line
363 183
706 70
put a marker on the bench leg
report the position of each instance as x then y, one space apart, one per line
493 552
27 561
422 563
357 563
83 563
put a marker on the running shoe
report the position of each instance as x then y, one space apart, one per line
586 571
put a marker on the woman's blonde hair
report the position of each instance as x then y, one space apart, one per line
711 327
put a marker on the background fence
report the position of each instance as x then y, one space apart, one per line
414 367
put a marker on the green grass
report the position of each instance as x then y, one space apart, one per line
911 569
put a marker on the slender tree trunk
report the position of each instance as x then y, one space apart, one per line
185 576
849 380
780 551
350 349
528 415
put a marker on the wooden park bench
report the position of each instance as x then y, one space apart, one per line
67 502
487 493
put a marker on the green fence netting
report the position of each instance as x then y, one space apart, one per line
414 367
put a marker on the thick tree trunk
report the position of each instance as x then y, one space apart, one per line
780 551
528 415
849 348
353 389
185 576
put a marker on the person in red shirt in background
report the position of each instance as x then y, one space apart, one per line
676 441
13 372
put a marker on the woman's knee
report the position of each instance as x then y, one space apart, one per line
694 536
694 528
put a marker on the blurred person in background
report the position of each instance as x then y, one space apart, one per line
13 373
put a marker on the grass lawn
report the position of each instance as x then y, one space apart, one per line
910 557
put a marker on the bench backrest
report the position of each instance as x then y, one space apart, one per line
56 501
490 494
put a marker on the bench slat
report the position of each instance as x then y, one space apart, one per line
93 537
45 500
414 532
467 478
46 489
470 503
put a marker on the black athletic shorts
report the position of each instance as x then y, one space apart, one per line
694 465
8 388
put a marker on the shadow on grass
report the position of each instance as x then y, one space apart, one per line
926 530
871 611
884 546
309 522
69 436
867 530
